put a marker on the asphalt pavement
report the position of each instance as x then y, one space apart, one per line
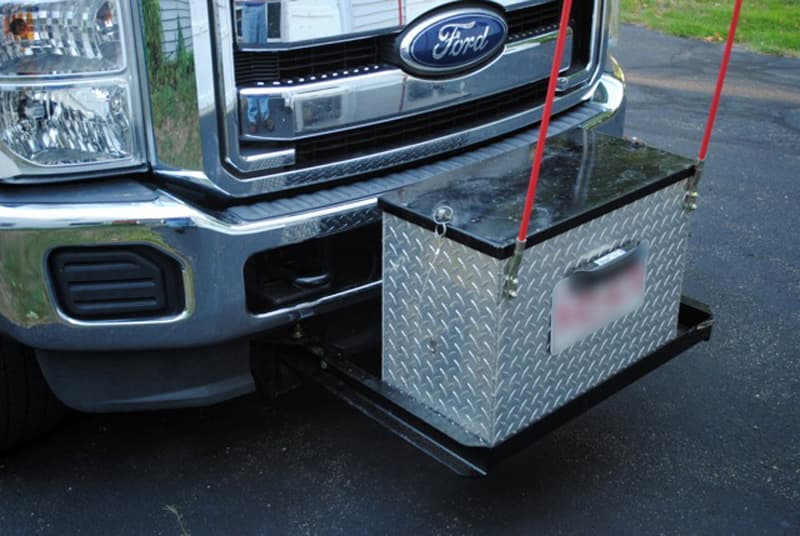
709 443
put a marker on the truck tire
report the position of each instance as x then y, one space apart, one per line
27 406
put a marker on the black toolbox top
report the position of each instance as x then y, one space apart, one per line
584 175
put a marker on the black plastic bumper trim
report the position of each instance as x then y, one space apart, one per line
116 282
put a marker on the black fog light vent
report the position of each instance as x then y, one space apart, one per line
116 283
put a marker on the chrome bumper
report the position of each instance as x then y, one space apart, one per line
211 247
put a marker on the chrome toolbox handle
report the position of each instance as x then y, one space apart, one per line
608 265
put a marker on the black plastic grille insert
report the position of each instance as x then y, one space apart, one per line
262 66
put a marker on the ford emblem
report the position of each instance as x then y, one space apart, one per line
452 41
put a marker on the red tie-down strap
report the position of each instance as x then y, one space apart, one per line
723 70
548 108
514 264
512 269
691 193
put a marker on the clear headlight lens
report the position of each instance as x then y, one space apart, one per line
68 95
67 126
56 37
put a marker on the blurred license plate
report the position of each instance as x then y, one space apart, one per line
595 295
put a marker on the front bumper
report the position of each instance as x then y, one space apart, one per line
211 247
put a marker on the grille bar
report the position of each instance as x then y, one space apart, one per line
342 128
366 140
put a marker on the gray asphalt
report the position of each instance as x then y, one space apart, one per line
709 443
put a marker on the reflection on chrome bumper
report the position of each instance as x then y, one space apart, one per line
212 250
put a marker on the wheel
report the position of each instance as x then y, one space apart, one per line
27 406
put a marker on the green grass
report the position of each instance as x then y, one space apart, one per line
174 102
770 26
173 94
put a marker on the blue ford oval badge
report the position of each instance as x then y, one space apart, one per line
452 41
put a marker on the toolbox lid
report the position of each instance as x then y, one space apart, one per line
584 175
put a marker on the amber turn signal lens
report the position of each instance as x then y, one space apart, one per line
20 26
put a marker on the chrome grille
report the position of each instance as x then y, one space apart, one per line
341 108
262 66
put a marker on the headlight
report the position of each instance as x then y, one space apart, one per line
54 126
68 92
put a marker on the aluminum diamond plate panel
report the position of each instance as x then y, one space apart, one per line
452 342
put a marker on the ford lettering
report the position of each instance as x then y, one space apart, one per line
453 41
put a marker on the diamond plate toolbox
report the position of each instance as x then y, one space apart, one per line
455 343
